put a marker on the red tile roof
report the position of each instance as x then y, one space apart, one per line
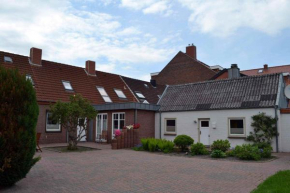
48 80
270 70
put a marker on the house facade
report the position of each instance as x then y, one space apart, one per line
223 109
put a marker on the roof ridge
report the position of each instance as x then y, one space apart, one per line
135 79
226 80
268 67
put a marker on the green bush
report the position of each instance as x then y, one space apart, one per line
152 144
247 152
198 149
220 144
262 145
18 118
230 153
183 141
266 152
218 154
144 142
165 145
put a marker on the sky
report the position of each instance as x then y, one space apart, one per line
137 37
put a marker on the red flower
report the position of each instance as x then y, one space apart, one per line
136 126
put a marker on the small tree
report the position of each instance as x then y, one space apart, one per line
18 118
264 129
73 115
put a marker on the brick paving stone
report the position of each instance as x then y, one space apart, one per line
109 170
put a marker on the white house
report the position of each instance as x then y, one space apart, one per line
222 109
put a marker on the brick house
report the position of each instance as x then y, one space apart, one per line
116 103
185 68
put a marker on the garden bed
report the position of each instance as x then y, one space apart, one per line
235 159
63 149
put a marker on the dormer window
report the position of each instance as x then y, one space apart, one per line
67 85
29 77
140 95
104 94
120 93
260 71
8 59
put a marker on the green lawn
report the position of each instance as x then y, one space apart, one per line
280 182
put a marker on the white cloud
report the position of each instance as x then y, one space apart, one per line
223 17
106 67
162 7
70 35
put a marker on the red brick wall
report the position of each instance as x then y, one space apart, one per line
224 75
183 69
48 137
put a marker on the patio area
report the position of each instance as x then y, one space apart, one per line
109 170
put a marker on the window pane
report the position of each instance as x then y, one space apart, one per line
170 125
51 125
120 93
107 99
115 124
170 122
67 85
122 124
140 95
102 91
204 123
81 122
237 126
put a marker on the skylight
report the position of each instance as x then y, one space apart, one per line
67 85
8 59
120 93
146 85
260 71
140 95
104 94
29 77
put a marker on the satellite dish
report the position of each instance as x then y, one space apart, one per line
287 91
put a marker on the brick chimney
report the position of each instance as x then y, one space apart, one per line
265 66
91 68
35 56
234 71
191 51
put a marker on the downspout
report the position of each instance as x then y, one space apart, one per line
276 124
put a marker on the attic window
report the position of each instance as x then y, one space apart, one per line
8 59
120 93
260 71
29 77
104 94
140 95
146 85
67 85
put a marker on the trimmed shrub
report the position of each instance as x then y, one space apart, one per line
247 152
144 142
165 145
266 152
218 154
198 149
183 141
262 145
152 144
230 153
18 118
220 144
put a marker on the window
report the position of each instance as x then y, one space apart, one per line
67 85
120 93
28 77
104 94
140 95
146 85
237 127
204 123
170 126
51 125
8 59
118 121
260 71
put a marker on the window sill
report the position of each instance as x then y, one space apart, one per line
172 134
237 137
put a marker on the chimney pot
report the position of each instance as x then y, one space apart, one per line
265 66
91 68
35 56
191 51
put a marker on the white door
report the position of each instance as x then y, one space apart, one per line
81 129
102 124
204 131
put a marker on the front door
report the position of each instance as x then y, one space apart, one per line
82 130
204 131
102 125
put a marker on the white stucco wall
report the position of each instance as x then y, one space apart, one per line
284 137
185 123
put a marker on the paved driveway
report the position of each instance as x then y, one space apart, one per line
130 171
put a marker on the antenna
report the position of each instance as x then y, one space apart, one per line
287 91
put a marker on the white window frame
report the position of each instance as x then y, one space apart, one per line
122 94
46 123
165 126
65 81
141 97
229 126
118 121
104 95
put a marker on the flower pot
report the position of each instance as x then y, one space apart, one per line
114 143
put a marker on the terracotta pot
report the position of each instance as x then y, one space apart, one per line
114 143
